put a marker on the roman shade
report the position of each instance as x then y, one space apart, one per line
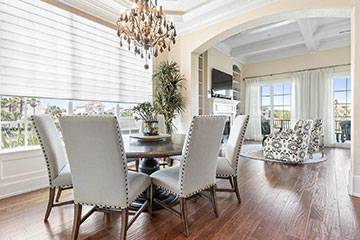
48 52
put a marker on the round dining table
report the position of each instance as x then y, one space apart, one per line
148 152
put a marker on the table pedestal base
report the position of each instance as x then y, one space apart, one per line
148 166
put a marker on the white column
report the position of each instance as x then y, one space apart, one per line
354 173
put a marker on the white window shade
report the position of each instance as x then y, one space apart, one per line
51 53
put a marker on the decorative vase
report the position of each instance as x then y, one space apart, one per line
151 128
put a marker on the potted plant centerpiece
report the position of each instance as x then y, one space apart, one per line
145 111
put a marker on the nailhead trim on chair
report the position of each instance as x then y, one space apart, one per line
123 155
45 155
187 195
239 146
183 163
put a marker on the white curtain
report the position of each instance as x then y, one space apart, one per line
252 108
312 98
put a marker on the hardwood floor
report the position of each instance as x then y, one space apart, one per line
279 201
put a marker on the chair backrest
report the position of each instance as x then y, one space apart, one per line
265 127
316 132
97 160
162 125
303 133
345 130
198 167
297 125
236 139
51 144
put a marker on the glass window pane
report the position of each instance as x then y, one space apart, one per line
348 96
287 100
32 139
12 135
278 89
278 113
278 100
265 101
340 97
88 108
287 88
265 113
348 83
287 113
265 91
109 108
339 84
35 106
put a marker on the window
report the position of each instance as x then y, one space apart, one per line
342 107
17 129
276 105
54 62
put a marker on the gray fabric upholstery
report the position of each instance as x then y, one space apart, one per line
98 162
197 171
290 146
53 150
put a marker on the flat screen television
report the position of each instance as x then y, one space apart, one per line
221 82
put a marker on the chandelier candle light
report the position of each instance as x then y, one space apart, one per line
146 28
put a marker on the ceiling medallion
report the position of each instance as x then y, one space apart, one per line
146 28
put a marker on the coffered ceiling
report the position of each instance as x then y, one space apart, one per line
189 15
287 38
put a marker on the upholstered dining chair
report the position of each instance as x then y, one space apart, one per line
227 166
56 160
197 171
99 170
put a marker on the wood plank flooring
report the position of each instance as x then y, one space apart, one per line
279 201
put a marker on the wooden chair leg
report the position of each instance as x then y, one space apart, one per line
237 189
50 203
77 221
183 216
231 182
124 223
214 201
58 194
149 195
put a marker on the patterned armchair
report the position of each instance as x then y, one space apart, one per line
290 146
316 133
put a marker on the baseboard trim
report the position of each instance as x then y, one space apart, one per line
23 186
354 184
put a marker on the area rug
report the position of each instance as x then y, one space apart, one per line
255 151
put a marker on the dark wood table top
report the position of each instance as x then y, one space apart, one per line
170 146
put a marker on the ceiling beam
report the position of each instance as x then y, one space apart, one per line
307 31
267 45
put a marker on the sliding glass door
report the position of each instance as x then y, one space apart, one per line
275 106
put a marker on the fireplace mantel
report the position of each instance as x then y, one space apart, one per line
221 106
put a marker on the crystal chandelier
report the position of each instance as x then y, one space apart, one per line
146 28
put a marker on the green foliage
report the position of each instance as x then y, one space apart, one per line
145 111
168 100
55 112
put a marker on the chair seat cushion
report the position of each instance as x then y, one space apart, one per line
224 168
64 177
138 182
167 178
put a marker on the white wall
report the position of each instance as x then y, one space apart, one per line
22 171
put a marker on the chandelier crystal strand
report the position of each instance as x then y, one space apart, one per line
146 28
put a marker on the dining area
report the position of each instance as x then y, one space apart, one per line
95 165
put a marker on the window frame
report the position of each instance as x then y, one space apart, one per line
271 84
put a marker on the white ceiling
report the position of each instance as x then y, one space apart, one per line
189 15
287 38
